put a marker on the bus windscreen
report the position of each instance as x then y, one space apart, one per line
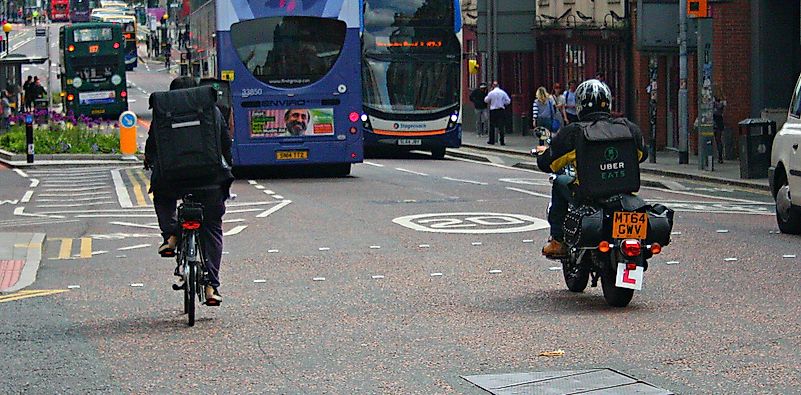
85 35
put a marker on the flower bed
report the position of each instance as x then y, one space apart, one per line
63 134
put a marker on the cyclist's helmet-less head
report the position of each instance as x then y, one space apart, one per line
593 96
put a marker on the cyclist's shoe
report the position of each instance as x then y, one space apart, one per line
213 297
167 248
179 281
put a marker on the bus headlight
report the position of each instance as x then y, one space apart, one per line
116 80
452 120
77 82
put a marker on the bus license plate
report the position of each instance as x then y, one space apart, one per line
410 142
291 155
628 225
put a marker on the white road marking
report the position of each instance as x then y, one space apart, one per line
65 184
272 251
137 285
233 221
109 211
259 281
722 231
495 271
279 197
37 221
135 247
99 252
789 256
730 259
377 277
34 183
411 171
528 241
116 216
436 274
424 246
375 247
27 197
122 192
247 204
246 210
134 225
73 287
269 192
74 205
373 164
259 186
532 193
21 173
74 194
21 212
274 209
318 279
235 231
73 199
324 249
471 223
74 189
465 181
252 182
12 202
476 243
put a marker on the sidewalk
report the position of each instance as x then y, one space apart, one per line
20 255
667 161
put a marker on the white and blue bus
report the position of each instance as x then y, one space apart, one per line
411 74
293 68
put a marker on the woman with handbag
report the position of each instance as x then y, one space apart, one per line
544 111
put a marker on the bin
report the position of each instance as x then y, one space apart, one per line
756 142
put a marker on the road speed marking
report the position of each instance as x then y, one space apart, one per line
471 223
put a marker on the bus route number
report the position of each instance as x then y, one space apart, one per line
248 92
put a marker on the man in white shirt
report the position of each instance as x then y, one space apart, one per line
497 100
570 102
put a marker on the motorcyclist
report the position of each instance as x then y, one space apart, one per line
593 102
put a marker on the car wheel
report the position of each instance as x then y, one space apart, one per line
788 216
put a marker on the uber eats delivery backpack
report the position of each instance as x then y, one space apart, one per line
607 162
186 130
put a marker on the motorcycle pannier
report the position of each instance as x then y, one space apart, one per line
583 226
607 161
186 135
660 224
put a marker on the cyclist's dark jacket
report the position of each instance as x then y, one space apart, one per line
224 176
562 151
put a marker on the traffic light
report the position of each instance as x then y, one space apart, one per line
697 9
473 66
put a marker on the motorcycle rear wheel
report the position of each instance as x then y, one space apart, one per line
614 296
576 274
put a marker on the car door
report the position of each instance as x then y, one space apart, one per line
789 145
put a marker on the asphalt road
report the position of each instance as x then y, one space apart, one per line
350 285
351 302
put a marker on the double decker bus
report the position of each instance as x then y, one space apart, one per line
411 62
293 75
92 69
128 23
60 10
81 10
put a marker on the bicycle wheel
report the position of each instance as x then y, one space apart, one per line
191 290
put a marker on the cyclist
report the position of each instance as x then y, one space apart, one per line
212 196
593 102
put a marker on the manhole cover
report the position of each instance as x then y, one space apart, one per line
593 381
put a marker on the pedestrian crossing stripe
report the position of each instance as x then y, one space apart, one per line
65 249
29 294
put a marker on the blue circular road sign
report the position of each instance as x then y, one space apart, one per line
128 119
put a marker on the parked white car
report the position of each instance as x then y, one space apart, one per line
784 173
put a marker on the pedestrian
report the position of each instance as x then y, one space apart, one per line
167 55
559 99
477 96
543 110
570 103
28 94
497 99
5 110
718 107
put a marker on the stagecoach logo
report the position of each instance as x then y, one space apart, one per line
410 126
396 125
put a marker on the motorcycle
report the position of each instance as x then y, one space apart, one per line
610 240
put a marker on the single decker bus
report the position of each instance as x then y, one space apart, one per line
293 70
411 62
128 23
92 69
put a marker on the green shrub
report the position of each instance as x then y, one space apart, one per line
61 139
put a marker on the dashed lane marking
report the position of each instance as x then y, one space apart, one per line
465 181
411 171
29 294
532 193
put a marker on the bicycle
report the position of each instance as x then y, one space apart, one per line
190 257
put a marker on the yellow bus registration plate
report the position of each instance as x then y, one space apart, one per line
291 155
627 225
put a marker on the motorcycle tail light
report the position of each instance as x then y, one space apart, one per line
191 225
656 248
631 247
604 246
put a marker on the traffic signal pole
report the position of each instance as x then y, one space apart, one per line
684 131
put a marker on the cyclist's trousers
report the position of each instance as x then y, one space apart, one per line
211 232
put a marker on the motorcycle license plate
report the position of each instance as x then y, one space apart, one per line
628 225
631 279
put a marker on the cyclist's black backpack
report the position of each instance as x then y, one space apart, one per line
607 162
187 136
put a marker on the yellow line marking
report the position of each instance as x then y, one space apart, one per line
137 189
145 181
30 294
66 249
86 247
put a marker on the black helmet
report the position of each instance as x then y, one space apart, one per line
593 96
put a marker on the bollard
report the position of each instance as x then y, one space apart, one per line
29 136
128 135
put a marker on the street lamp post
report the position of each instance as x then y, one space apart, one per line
7 29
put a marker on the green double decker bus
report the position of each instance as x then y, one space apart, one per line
92 69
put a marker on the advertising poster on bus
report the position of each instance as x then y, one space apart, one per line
292 122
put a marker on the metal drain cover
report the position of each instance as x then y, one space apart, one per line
563 382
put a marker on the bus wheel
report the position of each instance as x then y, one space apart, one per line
438 153
342 170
